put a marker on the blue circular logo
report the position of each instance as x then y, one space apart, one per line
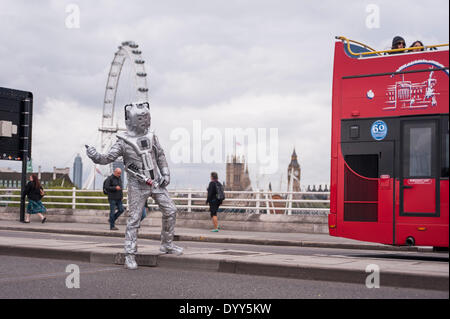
379 130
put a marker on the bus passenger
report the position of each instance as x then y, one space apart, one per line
416 44
398 43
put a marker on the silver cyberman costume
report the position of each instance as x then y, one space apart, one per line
148 175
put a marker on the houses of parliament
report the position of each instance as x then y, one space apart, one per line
238 179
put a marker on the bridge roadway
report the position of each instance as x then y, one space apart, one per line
323 262
29 278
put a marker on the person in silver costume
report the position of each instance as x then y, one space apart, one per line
148 175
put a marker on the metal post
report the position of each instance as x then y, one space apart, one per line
267 204
289 212
74 194
190 201
22 190
257 200
26 140
95 172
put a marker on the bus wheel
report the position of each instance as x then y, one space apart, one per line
410 241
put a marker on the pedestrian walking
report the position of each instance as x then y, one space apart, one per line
34 192
113 187
215 198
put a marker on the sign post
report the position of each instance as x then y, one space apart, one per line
26 129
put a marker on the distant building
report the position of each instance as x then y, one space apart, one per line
237 176
318 190
78 171
237 179
65 170
294 174
12 179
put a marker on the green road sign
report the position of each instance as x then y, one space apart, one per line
29 167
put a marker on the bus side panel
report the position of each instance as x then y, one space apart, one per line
378 232
335 138
444 198
332 218
426 231
432 235
369 233
444 195
409 94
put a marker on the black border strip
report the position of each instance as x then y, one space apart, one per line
392 73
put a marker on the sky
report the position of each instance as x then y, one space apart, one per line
255 65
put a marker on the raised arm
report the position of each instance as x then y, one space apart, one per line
103 159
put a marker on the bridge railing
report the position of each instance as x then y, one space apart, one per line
189 200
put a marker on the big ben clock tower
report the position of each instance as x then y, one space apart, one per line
294 169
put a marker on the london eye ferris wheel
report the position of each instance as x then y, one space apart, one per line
128 54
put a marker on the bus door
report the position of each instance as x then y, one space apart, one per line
368 182
419 180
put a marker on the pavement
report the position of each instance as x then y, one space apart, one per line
205 235
407 273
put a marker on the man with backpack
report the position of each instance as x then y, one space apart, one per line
112 186
216 196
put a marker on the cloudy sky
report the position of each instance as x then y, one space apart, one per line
255 64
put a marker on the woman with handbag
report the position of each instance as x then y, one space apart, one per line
34 192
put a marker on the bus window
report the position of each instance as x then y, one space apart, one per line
418 149
365 164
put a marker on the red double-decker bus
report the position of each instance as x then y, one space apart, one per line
390 145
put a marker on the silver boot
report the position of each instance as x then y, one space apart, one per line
171 249
130 262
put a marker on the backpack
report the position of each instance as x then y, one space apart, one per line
220 194
105 190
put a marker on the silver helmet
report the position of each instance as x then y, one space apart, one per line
137 118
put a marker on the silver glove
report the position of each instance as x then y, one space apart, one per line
165 180
91 151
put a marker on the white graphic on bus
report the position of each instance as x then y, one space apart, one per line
408 95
